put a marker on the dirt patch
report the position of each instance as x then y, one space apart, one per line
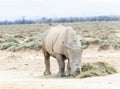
24 70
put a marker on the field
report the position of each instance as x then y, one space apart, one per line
22 64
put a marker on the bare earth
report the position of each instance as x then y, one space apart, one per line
24 70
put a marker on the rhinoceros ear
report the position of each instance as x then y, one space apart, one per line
67 46
85 46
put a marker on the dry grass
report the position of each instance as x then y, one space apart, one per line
97 69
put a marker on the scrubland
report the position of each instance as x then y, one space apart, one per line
22 64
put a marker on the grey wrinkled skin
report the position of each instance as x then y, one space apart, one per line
62 43
74 64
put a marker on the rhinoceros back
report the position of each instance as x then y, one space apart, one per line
53 39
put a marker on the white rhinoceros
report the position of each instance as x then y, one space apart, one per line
62 43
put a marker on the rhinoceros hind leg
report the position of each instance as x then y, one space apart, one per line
47 62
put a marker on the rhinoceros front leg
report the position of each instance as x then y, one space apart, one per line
47 63
61 64
68 73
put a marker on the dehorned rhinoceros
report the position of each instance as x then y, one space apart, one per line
62 43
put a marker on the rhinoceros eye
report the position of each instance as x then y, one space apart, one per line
74 40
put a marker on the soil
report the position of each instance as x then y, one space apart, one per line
24 70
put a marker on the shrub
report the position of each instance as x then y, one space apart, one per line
1 36
116 44
30 44
7 45
104 44
11 40
1 40
18 36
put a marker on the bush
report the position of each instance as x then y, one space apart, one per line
104 44
1 40
1 36
116 44
18 36
32 45
13 48
7 45
11 40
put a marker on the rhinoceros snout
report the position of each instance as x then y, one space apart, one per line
78 70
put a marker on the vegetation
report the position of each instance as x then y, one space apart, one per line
14 45
97 69
21 37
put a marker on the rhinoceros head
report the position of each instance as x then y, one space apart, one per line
74 56
74 51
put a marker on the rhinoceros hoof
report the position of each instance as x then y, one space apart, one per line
67 74
47 73
59 74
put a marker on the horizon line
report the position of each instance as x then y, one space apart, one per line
14 18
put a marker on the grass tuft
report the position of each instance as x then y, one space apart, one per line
97 69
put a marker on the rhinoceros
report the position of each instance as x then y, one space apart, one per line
62 43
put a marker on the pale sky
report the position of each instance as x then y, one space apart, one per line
12 9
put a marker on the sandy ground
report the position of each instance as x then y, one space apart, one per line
24 70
